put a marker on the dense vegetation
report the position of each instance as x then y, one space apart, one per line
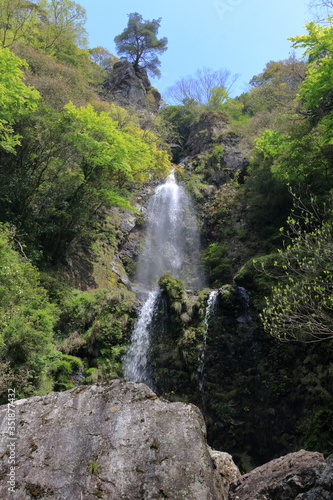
67 157
74 168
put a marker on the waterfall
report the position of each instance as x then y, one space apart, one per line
172 247
172 242
136 358
245 316
212 298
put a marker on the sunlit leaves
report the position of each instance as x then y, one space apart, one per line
120 155
15 97
18 19
301 304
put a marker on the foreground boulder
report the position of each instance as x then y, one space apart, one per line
113 442
302 475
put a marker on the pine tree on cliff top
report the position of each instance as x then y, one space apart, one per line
139 43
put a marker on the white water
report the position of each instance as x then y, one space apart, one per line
171 247
245 302
136 358
209 310
172 240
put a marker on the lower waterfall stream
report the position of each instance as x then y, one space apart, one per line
212 298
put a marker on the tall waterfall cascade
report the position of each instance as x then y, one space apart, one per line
171 246
211 303
172 242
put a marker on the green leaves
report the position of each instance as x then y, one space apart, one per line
16 98
26 320
110 154
301 304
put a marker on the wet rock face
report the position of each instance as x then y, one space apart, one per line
129 87
302 475
117 442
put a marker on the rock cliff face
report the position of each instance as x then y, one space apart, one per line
127 87
114 442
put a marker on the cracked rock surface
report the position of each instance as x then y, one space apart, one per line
303 475
117 441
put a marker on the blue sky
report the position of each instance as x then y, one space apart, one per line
238 35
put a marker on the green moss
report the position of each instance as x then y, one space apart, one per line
93 375
93 468
217 263
174 287
62 369
318 430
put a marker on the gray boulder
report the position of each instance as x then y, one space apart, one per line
302 475
118 441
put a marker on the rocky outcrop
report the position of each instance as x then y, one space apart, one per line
129 87
202 132
118 441
302 475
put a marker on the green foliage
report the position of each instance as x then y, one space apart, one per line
217 263
70 164
271 101
59 82
61 27
298 149
318 430
94 468
103 57
119 156
61 368
258 276
102 320
18 20
140 44
301 304
276 86
26 321
315 90
16 98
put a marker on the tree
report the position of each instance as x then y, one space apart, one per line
301 304
316 90
17 20
69 164
200 86
16 98
139 43
27 319
61 23
321 9
276 86
103 57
